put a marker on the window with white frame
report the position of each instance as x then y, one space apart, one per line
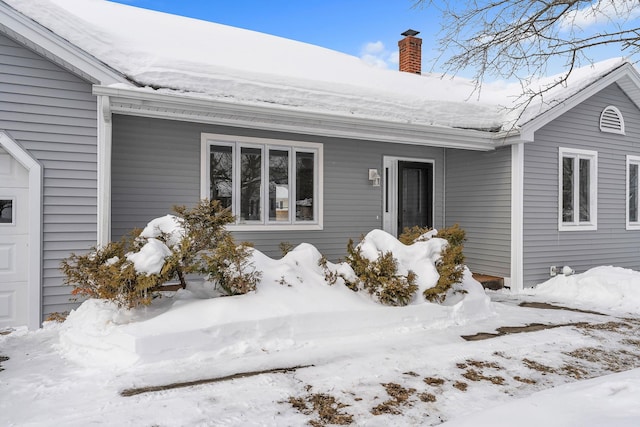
267 184
633 214
578 190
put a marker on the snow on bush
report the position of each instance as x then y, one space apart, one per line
131 271
168 226
150 258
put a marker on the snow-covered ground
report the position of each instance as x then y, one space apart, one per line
329 355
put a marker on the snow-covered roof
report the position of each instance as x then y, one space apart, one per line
176 55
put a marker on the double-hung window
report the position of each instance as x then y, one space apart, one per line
578 190
268 184
633 191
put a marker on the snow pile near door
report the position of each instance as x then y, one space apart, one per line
612 288
293 304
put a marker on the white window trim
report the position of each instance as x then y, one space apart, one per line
576 225
236 142
630 225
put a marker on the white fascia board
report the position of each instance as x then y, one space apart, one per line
626 70
55 48
145 103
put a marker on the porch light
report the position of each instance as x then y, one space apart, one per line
374 177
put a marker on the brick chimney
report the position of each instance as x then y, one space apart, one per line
410 52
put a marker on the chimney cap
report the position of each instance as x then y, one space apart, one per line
410 33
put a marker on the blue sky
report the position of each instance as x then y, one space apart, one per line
366 28
355 27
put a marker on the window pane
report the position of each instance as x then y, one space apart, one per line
633 193
304 186
278 185
567 189
250 184
6 211
221 174
585 189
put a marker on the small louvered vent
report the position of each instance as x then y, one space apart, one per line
611 120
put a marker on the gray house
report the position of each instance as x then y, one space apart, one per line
102 130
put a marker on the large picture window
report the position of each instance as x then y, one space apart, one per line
633 191
578 190
267 184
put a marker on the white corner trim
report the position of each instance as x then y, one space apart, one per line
104 170
517 218
34 281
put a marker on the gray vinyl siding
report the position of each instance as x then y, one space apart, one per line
478 198
611 243
156 164
52 113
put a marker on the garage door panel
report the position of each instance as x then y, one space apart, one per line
11 312
7 259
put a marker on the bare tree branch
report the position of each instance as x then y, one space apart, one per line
520 39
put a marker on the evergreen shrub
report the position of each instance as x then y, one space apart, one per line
451 264
380 277
205 246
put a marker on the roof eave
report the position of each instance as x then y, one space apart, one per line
146 103
625 70
53 47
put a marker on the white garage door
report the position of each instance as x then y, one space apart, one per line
14 238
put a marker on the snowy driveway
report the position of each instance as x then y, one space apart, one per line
410 376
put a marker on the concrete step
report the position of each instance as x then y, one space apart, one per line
489 282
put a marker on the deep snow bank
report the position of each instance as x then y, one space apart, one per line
613 288
292 305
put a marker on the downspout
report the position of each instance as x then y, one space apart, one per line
104 170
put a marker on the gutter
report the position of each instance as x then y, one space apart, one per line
146 103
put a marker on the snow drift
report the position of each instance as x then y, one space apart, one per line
292 304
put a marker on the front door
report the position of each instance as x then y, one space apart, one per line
408 193
14 237
415 195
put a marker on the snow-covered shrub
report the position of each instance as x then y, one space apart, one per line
229 265
203 228
330 276
380 277
285 247
106 273
450 266
128 272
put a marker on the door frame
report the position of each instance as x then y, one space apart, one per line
390 180
34 272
